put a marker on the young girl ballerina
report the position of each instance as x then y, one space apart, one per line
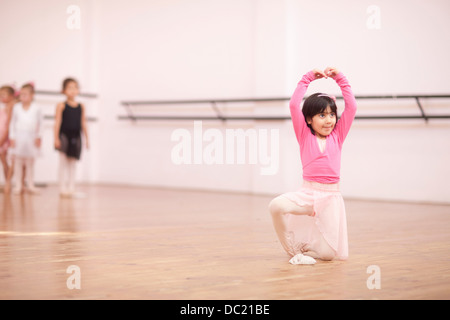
70 121
311 222
7 96
25 133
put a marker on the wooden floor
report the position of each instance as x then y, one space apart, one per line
143 243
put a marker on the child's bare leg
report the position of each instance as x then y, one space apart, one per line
282 205
23 168
5 164
63 173
29 169
18 176
71 182
8 178
279 208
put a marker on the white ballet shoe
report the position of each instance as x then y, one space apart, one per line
302 259
78 195
72 195
34 190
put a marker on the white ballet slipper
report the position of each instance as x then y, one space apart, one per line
78 195
72 195
34 190
302 259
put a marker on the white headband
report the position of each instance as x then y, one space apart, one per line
327 95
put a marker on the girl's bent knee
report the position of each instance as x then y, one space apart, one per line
276 206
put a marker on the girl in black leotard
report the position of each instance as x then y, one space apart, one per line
70 122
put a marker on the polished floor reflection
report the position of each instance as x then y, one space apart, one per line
144 243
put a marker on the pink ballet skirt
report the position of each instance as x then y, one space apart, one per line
328 220
3 129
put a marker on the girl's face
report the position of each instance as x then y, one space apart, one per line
71 90
26 95
4 96
323 123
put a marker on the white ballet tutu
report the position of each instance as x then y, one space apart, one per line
328 221
25 145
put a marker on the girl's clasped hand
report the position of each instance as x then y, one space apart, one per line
328 72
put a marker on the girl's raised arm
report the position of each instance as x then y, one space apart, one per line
348 115
298 120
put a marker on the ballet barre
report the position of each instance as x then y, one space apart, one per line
220 116
57 93
89 119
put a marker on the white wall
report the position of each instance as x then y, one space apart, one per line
170 50
395 160
156 50
36 45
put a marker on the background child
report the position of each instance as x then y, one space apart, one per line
25 133
7 97
70 121
311 223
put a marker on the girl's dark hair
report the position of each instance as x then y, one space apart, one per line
29 86
9 89
67 81
314 105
